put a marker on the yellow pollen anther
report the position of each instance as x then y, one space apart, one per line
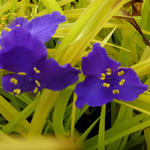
102 76
35 90
22 73
7 29
106 85
122 82
17 91
18 25
108 71
37 83
0 47
116 91
121 73
14 81
36 70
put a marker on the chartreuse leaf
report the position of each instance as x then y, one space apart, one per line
120 130
19 118
147 137
64 2
142 103
145 19
22 8
46 102
146 54
59 110
124 114
52 5
9 112
101 133
103 43
85 29
5 7
12 10
73 116
132 143
127 127
142 68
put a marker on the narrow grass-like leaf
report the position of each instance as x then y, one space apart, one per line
58 113
9 113
142 104
16 121
52 5
90 19
101 133
85 134
46 102
73 116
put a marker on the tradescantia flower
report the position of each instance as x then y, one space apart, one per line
105 81
41 27
24 55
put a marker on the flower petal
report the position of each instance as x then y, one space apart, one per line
21 51
92 92
45 26
97 62
20 21
132 86
22 82
55 77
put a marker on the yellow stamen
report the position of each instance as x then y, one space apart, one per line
38 83
22 73
14 81
0 47
116 91
106 85
121 73
35 90
108 71
18 25
122 82
36 70
7 29
102 76
17 91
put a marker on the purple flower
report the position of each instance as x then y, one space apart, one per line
24 55
41 27
105 81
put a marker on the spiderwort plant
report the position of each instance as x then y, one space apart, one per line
105 81
24 54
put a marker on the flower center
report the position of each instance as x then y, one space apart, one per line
30 79
109 79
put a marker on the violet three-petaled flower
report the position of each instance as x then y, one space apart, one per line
105 81
25 56
42 27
